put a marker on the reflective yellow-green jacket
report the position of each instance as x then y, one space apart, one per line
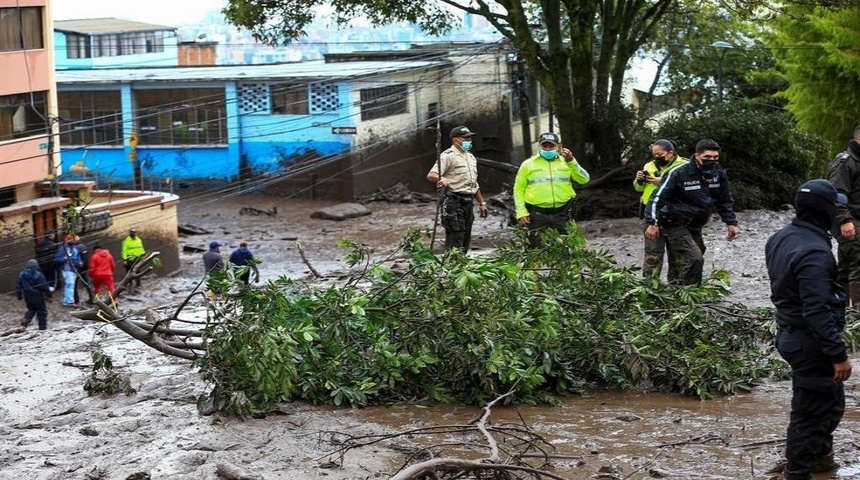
655 171
546 183
132 247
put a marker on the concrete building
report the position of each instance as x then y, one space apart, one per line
336 128
33 203
112 42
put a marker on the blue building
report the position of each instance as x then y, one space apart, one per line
111 42
337 128
155 127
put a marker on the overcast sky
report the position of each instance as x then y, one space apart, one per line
162 12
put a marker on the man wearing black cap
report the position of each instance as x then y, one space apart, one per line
810 314
844 174
456 173
543 188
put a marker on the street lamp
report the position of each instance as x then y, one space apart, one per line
723 47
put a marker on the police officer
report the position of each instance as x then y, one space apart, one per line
682 205
456 173
646 181
844 174
543 188
810 313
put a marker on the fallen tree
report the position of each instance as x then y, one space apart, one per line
457 328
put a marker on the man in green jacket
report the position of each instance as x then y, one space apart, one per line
132 248
543 189
646 181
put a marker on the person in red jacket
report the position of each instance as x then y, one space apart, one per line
101 269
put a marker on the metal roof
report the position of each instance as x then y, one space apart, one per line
101 26
304 71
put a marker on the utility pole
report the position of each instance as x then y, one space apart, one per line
520 86
52 166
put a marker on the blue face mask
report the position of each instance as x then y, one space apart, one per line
466 145
549 154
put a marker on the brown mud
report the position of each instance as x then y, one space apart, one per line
52 430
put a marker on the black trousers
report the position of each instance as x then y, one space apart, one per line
817 402
541 219
458 215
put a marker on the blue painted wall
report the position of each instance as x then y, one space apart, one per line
269 143
167 58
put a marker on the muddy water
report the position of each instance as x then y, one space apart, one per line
648 435
52 430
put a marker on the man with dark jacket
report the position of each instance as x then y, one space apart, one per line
243 258
212 258
810 314
844 174
682 205
32 288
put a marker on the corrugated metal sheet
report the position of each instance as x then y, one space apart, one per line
304 70
101 26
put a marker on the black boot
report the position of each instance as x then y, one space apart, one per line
825 464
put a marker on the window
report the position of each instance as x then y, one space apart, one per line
21 28
78 46
154 42
114 44
384 101
7 196
181 116
289 99
90 118
23 115
324 98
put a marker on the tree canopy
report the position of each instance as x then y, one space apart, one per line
819 52
578 50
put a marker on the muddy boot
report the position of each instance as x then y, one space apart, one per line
854 295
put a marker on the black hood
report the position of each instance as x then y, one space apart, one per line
815 210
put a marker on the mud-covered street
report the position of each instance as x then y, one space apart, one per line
52 430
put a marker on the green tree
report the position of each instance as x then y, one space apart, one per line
766 155
819 51
688 63
577 49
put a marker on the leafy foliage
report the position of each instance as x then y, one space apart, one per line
766 156
104 379
461 328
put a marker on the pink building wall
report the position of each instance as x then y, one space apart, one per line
25 160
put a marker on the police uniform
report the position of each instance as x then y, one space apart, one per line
543 191
652 264
460 168
844 174
681 206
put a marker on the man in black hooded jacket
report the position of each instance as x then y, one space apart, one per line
810 314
